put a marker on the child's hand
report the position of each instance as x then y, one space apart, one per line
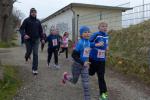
99 44
86 63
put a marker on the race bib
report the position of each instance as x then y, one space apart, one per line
86 52
54 42
101 54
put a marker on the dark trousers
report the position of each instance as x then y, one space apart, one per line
42 46
32 46
98 67
22 39
78 70
50 52
64 49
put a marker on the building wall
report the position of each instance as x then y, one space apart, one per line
92 17
63 21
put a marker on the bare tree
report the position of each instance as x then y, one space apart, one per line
6 7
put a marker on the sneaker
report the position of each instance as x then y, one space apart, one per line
57 66
34 72
64 79
104 96
48 65
28 60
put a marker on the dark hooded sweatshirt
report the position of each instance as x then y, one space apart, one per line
32 27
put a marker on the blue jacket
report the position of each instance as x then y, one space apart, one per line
53 41
82 51
99 53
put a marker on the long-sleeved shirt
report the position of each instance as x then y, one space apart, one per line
99 53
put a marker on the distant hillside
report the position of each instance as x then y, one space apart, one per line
130 50
132 43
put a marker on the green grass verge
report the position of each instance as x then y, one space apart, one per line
130 52
10 84
130 67
7 45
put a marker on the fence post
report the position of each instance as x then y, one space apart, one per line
143 11
77 26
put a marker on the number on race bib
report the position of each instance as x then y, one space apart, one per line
86 52
54 42
101 54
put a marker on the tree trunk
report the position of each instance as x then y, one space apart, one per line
1 22
4 29
6 7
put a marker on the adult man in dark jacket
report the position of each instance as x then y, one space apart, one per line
32 31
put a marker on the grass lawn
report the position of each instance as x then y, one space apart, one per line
10 83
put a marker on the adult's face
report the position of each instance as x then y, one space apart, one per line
33 13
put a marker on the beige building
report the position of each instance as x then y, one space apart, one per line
74 15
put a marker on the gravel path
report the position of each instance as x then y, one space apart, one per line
46 85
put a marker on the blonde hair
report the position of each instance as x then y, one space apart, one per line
52 28
102 23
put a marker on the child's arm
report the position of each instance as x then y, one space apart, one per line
46 40
92 41
76 53
76 57
107 43
93 44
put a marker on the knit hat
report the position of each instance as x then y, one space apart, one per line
84 29
32 9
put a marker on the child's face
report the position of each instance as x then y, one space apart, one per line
67 34
103 27
54 32
86 35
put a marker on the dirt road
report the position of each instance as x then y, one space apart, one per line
46 85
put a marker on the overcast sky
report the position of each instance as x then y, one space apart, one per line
47 7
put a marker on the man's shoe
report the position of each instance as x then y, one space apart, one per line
34 72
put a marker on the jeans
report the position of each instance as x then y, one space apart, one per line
32 46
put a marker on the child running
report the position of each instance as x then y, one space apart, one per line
64 44
53 46
98 58
80 66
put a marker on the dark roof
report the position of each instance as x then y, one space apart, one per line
84 5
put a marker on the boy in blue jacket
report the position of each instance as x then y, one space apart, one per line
53 46
81 62
98 58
